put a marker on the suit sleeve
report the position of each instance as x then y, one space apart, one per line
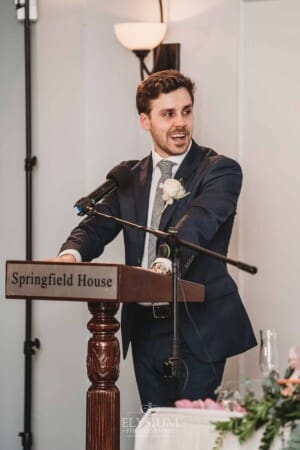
213 202
93 233
91 236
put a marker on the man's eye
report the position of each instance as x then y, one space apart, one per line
187 112
168 114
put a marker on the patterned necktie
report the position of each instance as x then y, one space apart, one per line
166 172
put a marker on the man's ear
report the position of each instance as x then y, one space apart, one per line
145 121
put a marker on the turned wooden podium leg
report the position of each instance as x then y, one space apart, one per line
103 397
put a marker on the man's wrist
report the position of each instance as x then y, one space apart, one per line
66 254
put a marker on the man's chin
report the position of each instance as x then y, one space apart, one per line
178 149
173 149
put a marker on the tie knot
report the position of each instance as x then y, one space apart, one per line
166 168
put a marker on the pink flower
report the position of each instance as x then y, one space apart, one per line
183 403
198 404
239 408
211 404
208 403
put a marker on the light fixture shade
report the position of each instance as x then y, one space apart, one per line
140 35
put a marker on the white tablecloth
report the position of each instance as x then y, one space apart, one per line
188 429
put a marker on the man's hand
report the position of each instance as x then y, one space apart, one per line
66 257
162 266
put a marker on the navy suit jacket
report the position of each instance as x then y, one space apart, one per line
220 326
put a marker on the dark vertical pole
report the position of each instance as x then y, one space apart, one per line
30 161
171 366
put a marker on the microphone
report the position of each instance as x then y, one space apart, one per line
119 177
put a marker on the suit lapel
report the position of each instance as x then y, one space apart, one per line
185 174
142 190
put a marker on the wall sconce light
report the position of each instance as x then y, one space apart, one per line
142 37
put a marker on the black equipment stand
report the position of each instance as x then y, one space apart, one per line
30 345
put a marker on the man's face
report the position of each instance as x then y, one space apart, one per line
170 122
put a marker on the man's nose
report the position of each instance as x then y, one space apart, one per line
180 120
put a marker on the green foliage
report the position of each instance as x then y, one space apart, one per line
294 440
276 409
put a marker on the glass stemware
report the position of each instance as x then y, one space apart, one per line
268 354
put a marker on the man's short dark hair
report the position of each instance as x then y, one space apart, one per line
161 83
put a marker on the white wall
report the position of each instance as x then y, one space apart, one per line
59 134
243 59
270 155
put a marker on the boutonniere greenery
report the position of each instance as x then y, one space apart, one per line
172 189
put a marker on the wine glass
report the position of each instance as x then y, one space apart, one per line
268 354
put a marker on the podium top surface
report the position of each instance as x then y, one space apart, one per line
47 280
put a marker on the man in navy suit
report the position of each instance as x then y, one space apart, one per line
210 331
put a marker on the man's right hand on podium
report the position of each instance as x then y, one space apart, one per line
66 257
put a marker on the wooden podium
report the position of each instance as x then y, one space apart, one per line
103 287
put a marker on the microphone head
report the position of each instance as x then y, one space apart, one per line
121 174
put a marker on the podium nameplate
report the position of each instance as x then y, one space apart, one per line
61 281
48 280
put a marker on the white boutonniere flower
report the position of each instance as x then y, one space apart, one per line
172 190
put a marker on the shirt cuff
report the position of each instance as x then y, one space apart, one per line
73 252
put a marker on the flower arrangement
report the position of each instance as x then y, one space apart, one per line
172 189
279 407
